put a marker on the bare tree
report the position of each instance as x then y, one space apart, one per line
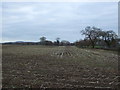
65 42
109 37
92 34
42 40
58 40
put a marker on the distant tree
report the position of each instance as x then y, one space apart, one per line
57 41
109 38
92 34
42 40
65 42
48 42
83 43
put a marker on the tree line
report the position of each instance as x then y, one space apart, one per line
43 41
97 37
94 37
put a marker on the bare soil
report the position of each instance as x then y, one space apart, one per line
35 66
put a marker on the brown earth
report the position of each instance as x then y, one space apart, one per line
37 66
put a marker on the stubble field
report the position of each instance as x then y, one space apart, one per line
36 66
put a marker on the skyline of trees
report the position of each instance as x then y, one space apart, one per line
96 35
93 37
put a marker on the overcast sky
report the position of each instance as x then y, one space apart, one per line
30 21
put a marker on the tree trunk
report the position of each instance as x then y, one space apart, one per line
92 42
93 45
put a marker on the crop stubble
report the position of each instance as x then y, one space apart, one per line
57 67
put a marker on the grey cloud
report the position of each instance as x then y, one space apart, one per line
64 20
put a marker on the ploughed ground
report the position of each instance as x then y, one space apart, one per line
36 66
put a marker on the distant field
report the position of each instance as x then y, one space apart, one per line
38 66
